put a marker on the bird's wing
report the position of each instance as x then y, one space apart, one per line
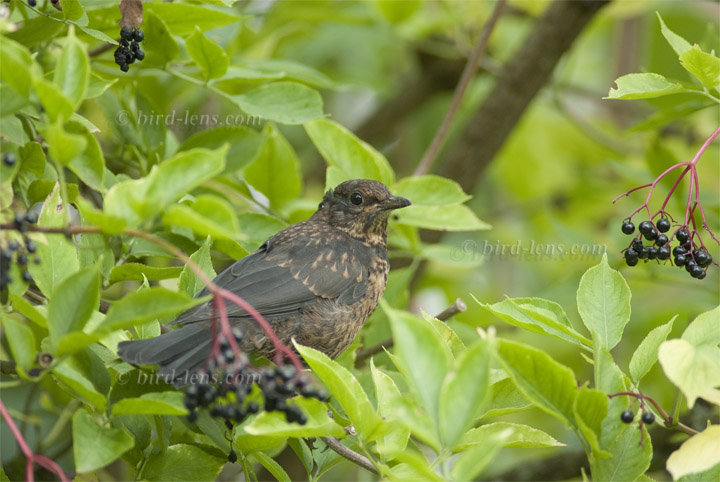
288 273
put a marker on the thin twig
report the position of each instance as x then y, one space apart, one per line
667 419
457 307
350 454
467 75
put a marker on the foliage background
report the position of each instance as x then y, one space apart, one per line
551 184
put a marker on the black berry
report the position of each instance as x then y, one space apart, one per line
690 265
140 54
682 235
232 457
645 227
677 250
680 260
637 245
32 3
664 253
661 240
124 67
651 235
627 416
126 33
663 225
9 159
696 271
652 252
702 257
628 227
138 35
648 418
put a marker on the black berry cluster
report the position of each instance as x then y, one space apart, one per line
695 258
129 49
18 251
225 385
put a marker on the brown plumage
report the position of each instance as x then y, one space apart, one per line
317 281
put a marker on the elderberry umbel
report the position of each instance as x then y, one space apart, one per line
688 251
225 387
129 49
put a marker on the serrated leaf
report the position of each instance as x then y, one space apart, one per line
679 44
647 353
284 102
146 305
318 424
523 436
182 462
72 72
704 66
644 86
351 157
603 299
474 460
95 446
208 55
545 382
138 272
441 218
697 454
346 389
387 396
21 340
590 410
72 303
189 283
430 190
154 403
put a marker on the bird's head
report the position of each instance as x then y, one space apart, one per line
361 208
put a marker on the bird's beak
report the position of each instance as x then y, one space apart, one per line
395 202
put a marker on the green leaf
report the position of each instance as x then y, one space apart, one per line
603 299
58 254
89 163
160 45
352 157
591 407
346 389
155 403
55 103
63 146
522 436
276 170
15 62
183 462
647 353
208 55
387 396
697 454
285 102
441 218
643 86
679 44
430 190
33 158
182 19
189 283
473 461
95 446
72 72
705 329
245 144
140 272
273 467
464 391
144 306
25 308
72 303
545 382
258 227
538 316
109 224
504 398
21 340
704 66
422 357
207 215
140 199
318 424
75 372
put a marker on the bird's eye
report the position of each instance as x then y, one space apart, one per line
321 205
356 198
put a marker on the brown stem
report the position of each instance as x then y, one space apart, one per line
457 307
349 454
467 75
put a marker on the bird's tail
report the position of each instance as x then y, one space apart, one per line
179 352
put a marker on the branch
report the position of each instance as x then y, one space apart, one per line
458 306
519 81
467 75
349 454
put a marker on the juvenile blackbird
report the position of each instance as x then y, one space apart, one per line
317 281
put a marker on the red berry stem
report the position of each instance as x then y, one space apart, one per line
32 458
